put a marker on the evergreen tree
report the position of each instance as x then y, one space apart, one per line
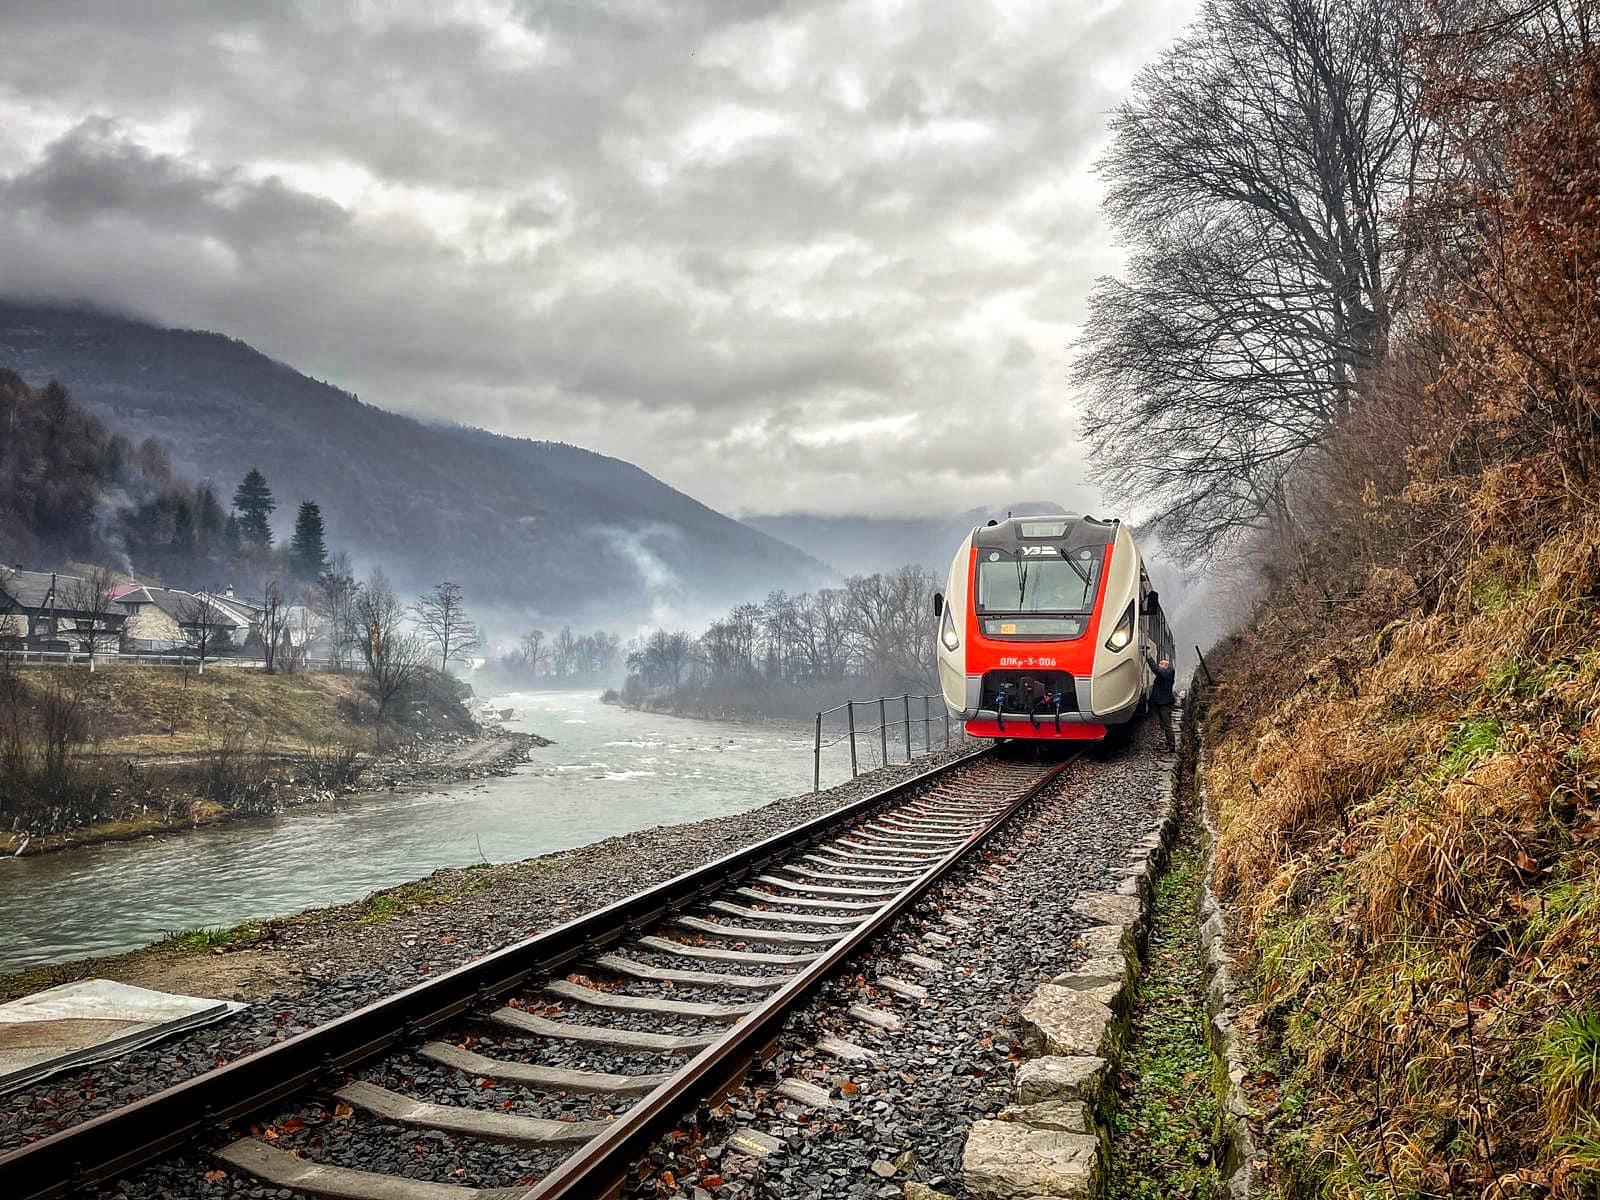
308 550
232 537
253 502
210 518
182 543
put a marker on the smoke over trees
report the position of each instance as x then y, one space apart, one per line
71 491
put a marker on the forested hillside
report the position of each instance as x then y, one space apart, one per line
1358 350
535 527
72 491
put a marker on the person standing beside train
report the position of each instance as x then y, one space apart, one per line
1161 696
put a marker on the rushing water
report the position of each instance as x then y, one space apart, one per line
610 772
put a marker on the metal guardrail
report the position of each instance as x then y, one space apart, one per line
111 658
902 723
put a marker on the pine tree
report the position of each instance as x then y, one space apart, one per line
308 550
253 502
232 537
182 543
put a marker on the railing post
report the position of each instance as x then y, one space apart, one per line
883 730
816 758
850 719
907 699
1203 666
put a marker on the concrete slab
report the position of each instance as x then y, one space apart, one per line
90 1021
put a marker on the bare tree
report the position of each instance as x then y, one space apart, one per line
1249 174
531 653
442 616
96 623
333 600
8 603
274 625
206 627
392 654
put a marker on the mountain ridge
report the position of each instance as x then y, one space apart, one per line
424 500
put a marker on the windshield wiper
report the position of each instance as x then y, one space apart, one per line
1082 574
1022 582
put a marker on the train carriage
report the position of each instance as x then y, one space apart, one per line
1044 626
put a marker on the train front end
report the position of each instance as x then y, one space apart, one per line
1043 628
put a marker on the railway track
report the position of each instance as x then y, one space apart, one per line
563 1058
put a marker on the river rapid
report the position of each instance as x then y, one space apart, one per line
610 771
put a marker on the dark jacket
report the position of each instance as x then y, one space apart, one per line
1161 690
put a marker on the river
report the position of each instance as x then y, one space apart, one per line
610 772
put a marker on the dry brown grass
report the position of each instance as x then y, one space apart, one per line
1412 843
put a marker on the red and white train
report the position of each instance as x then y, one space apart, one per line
1044 627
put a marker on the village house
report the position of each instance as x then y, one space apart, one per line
166 619
46 610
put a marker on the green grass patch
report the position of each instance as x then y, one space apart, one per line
1167 1110
246 933
1470 739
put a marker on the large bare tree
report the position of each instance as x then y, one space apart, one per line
442 617
206 627
89 600
392 654
1250 174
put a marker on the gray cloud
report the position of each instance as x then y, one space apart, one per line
786 256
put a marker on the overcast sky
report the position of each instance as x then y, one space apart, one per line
787 257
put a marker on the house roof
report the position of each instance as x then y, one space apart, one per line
31 590
245 610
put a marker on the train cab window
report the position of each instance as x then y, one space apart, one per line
1062 581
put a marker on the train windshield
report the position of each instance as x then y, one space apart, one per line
1040 579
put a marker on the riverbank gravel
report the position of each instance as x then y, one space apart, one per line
339 959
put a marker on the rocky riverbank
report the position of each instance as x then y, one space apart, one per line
302 781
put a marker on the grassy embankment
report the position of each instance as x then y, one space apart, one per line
1413 840
138 749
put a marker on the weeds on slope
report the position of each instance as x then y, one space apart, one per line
1162 1129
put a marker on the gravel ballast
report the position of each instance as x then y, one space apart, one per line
997 929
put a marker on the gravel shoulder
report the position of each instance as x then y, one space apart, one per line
300 971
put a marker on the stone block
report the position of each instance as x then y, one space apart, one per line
1060 1020
1108 940
1110 908
1097 970
1003 1160
1117 996
1068 1116
1061 1077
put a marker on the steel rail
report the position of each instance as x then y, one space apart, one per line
137 1133
600 1168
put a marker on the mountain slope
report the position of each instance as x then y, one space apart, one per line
535 529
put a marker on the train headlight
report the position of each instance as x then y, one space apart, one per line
947 631
1123 633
